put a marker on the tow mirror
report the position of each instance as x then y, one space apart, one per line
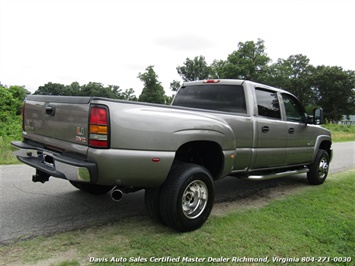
318 116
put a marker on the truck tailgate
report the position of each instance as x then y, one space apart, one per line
57 120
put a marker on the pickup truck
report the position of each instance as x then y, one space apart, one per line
213 129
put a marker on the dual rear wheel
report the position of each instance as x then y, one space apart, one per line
185 200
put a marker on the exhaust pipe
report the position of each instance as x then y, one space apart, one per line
116 194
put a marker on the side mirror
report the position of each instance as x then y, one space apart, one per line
318 116
309 119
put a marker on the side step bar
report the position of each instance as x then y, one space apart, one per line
277 175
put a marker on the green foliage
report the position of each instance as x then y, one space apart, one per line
52 89
10 130
175 85
329 87
196 69
334 89
294 75
128 94
248 62
19 94
11 101
90 89
153 91
7 105
98 89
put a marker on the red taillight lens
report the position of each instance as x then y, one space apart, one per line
98 116
98 143
99 127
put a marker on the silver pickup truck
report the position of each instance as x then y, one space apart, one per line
214 128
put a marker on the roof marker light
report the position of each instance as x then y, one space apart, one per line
211 81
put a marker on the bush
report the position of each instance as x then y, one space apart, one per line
9 131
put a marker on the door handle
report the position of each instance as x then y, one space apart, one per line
50 110
265 129
291 130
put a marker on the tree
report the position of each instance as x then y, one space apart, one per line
175 85
128 94
74 89
98 89
334 89
153 91
19 94
294 75
248 62
196 69
8 107
52 89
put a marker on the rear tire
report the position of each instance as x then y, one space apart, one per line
91 188
152 202
187 197
318 170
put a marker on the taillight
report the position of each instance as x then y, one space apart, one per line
99 127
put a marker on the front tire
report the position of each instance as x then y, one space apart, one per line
187 197
318 170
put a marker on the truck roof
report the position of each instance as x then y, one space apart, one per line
231 82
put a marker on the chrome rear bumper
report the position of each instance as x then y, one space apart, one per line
56 164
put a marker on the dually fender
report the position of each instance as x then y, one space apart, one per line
323 142
225 140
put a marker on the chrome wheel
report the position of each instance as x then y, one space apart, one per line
319 169
194 199
186 197
323 167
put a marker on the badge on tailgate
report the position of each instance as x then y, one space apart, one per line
80 131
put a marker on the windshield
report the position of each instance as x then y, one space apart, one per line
219 97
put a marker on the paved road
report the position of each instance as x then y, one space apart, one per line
29 209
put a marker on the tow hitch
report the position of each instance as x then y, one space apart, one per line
40 177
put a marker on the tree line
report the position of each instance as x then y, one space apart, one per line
330 87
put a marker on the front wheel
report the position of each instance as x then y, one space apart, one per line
318 170
186 197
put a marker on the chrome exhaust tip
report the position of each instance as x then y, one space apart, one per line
117 195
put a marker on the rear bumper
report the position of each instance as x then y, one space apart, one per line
55 164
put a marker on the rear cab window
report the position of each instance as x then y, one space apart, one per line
218 97
268 103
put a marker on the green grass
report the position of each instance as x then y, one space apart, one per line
341 133
318 221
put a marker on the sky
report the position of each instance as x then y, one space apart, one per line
112 41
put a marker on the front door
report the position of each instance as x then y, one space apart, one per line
271 131
301 137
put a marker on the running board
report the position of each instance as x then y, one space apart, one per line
277 175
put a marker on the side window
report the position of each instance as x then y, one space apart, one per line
268 103
294 110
